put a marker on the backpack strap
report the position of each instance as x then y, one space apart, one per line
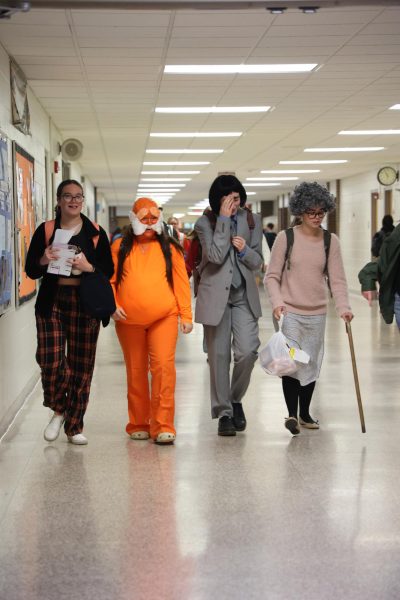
327 245
289 245
49 230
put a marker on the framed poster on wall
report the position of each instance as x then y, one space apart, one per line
24 220
6 258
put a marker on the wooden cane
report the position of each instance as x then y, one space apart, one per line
356 383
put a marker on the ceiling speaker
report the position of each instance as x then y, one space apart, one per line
71 150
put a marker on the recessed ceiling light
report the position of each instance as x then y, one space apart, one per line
395 107
198 134
293 171
178 163
183 151
157 190
271 178
370 132
241 69
212 109
312 162
157 185
160 180
266 184
170 172
359 149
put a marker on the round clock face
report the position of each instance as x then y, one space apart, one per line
387 175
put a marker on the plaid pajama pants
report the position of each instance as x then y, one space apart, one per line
66 353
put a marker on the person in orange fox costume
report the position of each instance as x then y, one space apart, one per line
152 292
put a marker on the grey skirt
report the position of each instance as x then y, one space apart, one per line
307 333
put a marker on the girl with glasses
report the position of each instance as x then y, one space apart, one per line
298 292
66 334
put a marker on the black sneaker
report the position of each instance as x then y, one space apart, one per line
292 424
239 418
226 426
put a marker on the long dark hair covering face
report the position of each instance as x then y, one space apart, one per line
165 242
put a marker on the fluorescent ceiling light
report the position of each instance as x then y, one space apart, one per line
212 109
251 193
198 134
179 162
184 151
359 149
160 180
395 107
170 172
266 184
271 178
370 132
158 190
194 214
293 171
218 69
160 185
178 215
312 162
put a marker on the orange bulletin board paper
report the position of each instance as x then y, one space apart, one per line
24 220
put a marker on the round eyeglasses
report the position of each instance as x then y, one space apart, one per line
69 197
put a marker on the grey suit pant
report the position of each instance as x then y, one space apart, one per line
237 331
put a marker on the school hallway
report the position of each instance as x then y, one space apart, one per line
258 516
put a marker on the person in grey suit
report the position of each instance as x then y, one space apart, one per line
228 303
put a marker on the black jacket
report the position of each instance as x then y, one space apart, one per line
100 257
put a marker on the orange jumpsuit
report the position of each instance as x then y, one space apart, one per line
149 334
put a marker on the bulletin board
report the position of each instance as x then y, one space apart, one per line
6 258
24 211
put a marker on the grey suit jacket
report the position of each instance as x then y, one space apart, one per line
216 265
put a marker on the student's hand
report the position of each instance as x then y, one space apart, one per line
186 327
81 262
370 296
239 243
279 311
119 315
227 206
347 316
50 254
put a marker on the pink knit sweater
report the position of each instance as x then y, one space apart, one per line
303 288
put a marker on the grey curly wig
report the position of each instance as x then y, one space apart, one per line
307 196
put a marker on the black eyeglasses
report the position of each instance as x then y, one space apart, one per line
68 197
314 214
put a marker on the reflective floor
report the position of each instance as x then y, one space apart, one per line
259 516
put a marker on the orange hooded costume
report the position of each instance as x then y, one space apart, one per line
148 332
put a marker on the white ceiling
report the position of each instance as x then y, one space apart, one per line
99 74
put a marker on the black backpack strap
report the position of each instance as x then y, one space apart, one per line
327 245
289 245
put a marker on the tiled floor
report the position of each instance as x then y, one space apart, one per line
259 516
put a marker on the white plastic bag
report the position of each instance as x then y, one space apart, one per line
276 357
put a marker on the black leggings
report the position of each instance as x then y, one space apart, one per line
297 394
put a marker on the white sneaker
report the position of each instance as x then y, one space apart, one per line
140 435
166 437
78 439
52 430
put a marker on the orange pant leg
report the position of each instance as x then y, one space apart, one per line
133 340
161 340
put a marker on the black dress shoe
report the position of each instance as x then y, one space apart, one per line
226 426
239 419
